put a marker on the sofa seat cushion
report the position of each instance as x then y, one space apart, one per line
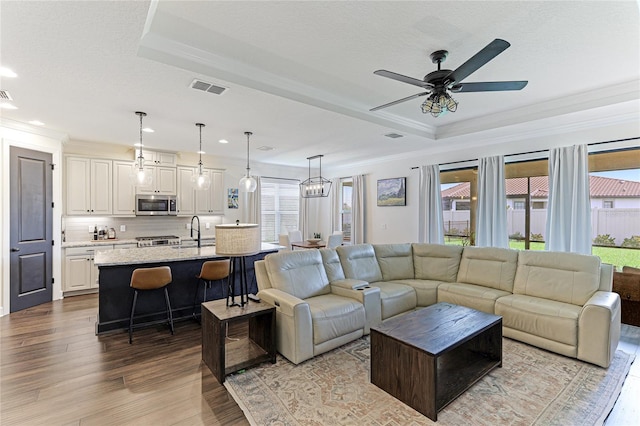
395 298
334 316
470 295
426 290
557 321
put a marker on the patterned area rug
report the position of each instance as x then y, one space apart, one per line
533 387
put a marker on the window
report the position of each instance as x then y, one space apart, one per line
456 208
518 205
346 190
607 204
280 200
526 225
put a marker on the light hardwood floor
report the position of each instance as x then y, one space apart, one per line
54 370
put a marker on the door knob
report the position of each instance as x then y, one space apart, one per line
15 249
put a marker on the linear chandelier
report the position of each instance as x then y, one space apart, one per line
315 187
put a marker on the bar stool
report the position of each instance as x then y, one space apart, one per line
145 279
212 270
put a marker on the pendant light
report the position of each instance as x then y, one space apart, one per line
316 186
201 181
248 183
140 175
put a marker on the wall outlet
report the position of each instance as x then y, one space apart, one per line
123 228
187 226
207 225
384 226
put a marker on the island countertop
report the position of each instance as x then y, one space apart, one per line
160 254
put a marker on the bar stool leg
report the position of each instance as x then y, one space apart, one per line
133 308
195 298
166 297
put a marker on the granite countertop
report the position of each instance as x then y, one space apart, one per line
142 255
98 243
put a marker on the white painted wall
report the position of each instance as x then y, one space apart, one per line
23 136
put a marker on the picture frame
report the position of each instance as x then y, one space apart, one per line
232 198
392 192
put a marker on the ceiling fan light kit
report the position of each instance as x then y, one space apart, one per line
438 82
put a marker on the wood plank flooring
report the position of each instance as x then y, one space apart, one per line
54 370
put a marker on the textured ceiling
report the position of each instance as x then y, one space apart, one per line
300 74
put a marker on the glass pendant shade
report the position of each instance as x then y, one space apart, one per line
201 180
141 176
248 183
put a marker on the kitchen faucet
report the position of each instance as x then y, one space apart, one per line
196 217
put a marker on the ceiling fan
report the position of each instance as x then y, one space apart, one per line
438 83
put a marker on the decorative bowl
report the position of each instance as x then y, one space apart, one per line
314 240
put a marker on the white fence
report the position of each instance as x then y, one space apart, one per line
618 223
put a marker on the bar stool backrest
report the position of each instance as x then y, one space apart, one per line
214 270
150 278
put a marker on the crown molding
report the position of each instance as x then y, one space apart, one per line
34 130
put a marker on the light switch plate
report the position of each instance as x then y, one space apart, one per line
123 228
207 225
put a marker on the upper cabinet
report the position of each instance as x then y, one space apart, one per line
212 200
88 186
158 158
186 193
124 195
163 181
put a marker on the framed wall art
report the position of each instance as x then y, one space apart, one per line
232 198
392 192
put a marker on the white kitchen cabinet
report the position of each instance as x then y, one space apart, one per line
88 186
211 201
124 195
80 272
186 192
163 181
158 158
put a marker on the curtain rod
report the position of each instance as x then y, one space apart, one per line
544 150
279 178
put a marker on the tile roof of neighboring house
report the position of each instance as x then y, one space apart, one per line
600 187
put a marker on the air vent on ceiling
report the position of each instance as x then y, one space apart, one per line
4 95
394 135
265 148
207 87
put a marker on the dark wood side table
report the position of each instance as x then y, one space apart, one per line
224 358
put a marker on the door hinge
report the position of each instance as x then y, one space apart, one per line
53 242
52 204
53 280
53 166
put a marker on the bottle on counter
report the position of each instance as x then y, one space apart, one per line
95 232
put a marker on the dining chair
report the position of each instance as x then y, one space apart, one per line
334 240
295 236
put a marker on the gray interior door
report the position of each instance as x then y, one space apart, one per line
31 215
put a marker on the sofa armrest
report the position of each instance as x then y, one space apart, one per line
370 299
294 327
350 284
599 328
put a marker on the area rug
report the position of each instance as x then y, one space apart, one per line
533 387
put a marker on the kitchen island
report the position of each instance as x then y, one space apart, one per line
115 269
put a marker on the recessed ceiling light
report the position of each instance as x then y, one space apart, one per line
138 144
6 72
201 152
148 130
265 148
223 141
7 105
36 123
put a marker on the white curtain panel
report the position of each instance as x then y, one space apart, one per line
303 221
569 209
357 210
491 224
430 221
335 206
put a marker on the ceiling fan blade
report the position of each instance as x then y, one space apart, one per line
489 52
404 79
489 86
408 98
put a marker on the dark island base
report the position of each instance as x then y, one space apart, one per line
115 295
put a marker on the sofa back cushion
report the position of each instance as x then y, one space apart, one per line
563 277
395 261
300 273
436 262
489 267
359 262
332 264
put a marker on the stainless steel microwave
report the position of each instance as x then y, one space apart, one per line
156 205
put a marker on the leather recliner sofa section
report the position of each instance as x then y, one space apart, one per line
561 302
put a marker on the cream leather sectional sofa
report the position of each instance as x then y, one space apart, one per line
560 302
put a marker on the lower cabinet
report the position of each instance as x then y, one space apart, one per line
80 273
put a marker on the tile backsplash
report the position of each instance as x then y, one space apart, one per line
76 228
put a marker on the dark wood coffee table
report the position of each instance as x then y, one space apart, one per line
429 357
